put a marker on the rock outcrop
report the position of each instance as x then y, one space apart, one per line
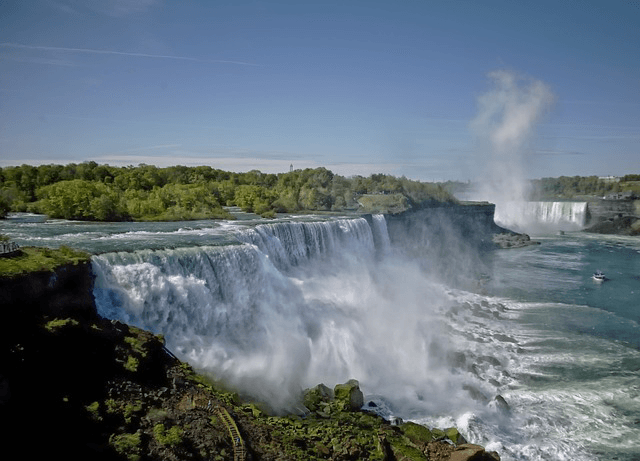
618 225
513 240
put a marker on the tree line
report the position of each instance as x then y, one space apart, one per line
572 186
98 192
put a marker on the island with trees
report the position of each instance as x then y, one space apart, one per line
94 192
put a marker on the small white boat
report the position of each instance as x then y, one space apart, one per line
598 276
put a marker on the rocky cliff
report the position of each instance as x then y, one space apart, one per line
620 217
604 210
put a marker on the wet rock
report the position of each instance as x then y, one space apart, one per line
456 437
513 240
501 403
315 396
470 452
417 433
349 395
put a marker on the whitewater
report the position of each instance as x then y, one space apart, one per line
525 354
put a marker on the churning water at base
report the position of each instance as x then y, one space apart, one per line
539 363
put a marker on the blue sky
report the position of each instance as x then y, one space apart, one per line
359 87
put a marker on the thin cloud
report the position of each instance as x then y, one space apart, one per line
124 53
45 61
558 152
113 8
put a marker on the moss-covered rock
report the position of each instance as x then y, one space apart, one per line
314 397
456 437
348 395
417 433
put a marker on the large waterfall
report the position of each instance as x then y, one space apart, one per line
291 305
541 216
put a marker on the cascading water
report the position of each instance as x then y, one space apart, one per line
541 216
294 305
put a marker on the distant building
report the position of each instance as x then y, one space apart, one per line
609 179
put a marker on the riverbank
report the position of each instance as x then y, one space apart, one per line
78 385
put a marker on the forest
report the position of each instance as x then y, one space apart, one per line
568 187
96 192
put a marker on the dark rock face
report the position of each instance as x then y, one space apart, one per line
619 225
604 210
449 241
67 290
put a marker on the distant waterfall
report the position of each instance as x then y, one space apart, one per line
541 216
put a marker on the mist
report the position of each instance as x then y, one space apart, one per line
504 132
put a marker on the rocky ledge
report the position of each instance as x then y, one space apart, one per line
76 385
513 240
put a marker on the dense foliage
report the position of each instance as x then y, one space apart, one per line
572 186
89 191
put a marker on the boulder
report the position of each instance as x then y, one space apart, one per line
456 437
315 396
501 404
513 240
349 396
417 433
470 452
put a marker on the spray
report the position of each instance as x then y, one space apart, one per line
504 130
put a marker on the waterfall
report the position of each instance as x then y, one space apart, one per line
541 216
290 244
381 234
292 305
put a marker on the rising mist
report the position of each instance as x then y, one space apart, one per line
504 131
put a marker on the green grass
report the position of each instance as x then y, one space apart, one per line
379 203
32 259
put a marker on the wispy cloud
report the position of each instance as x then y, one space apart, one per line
46 61
123 53
114 8
600 103
559 152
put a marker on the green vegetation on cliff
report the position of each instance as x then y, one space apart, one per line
89 191
32 259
